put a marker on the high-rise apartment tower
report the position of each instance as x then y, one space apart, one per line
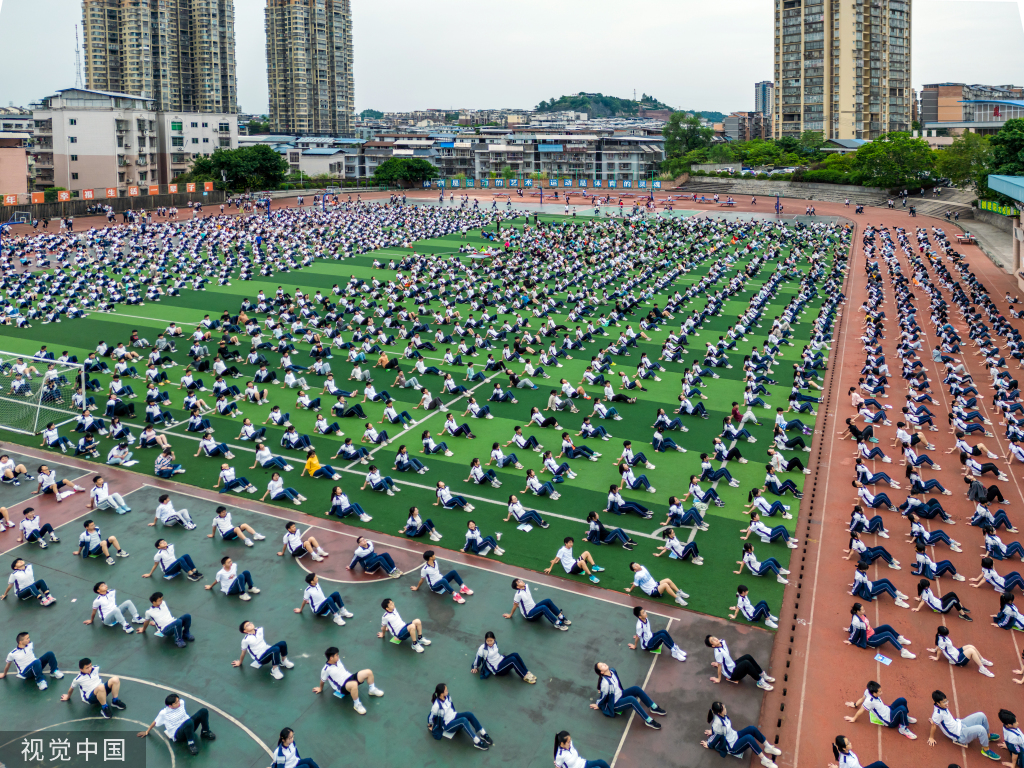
309 66
764 97
842 68
180 53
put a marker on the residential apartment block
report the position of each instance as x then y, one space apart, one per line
842 68
764 97
957 107
179 53
309 66
86 139
744 126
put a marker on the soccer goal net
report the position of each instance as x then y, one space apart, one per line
35 391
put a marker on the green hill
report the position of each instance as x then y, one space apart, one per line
599 105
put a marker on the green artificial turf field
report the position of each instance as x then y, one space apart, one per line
711 586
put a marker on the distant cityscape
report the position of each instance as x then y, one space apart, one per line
160 90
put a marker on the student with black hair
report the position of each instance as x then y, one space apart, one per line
734 670
727 741
392 623
262 652
490 661
752 613
286 753
534 609
444 720
612 698
29 667
962 731
858 549
1008 617
846 758
178 726
896 715
863 636
321 604
441 585
958 657
649 640
93 690
566 755
598 534
943 604
1013 738
343 682
677 550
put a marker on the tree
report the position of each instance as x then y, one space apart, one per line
684 134
720 153
50 194
811 142
507 172
965 162
761 152
1008 149
894 160
255 167
371 114
404 171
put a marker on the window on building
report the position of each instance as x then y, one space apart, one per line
206 141
74 176
177 141
195 125
73 139
72 121
224 127
176 126
195 140
206 125
225 142
74 158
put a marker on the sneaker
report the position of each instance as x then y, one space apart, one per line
458 598
771 624
656 710
481 745
907 654
359 708
346 614
254 590
111 561
122 553
652 723
594 580
765 685
276 673
417 647
990 754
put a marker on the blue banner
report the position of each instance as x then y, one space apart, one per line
612 184
484 183
552 182
513 182
426 184
455 183
527 182
566 182
549 147
627 183
470 183
657 185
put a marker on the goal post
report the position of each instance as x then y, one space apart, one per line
44 392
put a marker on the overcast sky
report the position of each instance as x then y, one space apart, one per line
460 53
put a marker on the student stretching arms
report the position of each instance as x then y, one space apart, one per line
652 587
566 755
573 565
286 754
734 670
961 731
532 610
727 741
342 681
958 657
649 640
431 573
843 752
613 698
771 565
896 715
443 719
489 661
751 612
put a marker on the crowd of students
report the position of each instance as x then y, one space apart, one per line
945 328
606 276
